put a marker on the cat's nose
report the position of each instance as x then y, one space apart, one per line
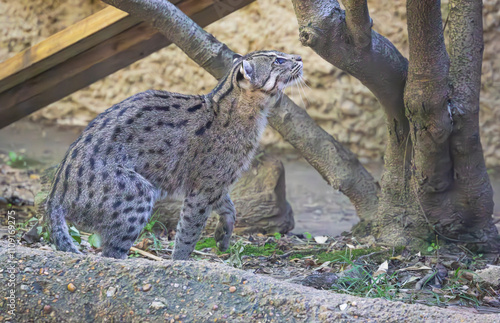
298 58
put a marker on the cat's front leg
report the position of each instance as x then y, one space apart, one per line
227 217
194 214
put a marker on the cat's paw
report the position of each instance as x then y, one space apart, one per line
223 232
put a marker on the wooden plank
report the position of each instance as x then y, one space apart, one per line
65 69
65 44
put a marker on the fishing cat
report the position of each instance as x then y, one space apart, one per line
156 143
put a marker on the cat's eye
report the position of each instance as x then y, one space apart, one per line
279 60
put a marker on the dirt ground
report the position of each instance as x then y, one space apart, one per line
315 254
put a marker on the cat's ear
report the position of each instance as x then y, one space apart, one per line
246 70
236 57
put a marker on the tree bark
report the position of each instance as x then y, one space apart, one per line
336 164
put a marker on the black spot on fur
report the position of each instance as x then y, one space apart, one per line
74 153
129 198
130 138
92 163
108 150
116 132
117 204
148 128
132 219
80 171
182 123
118 172
115 215
140 209
147 108
104 123
162 108
202 211
159 123
128 210
91 180
194 108
131 229
130 121
139 114
106 189
167 142
105 175
121 185
122 111
88 138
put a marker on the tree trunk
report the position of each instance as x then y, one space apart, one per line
435 184
435 181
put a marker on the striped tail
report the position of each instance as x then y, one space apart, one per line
59 231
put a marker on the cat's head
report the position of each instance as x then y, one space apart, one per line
267 71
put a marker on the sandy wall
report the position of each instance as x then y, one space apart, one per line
338 102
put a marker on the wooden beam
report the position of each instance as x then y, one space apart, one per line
86 52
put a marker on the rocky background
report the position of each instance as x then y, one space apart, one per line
338 102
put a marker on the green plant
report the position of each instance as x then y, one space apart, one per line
15 159
235 255
434 247
358 281
45 234
148 232
95 240
134 254
28 223
277 235
75 234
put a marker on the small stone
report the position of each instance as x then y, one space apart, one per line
215 307
71 287
176 285
232 289
146 287
47 309
111 292
24 287
157 305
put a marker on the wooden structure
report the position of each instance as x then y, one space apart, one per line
86 52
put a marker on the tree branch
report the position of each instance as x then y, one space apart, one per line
358 22
329 31
286 117
474 192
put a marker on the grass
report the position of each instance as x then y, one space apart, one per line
248 249
341 255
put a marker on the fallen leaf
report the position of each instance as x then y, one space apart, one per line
382 269
321 239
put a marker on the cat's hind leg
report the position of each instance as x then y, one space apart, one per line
128 211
